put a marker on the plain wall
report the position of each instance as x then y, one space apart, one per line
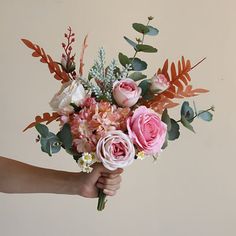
191 188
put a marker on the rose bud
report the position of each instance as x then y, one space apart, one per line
159 83
126 92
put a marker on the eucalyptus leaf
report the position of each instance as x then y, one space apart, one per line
143 29
187 112
146 93
166 119
173 133
138 64
152 31
50 144
205 115
65 136
136 76
165 144
77 157
146 48
42 129
131 42
186 124
124 60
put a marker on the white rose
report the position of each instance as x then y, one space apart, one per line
70 92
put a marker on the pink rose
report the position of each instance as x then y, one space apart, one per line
146 130
159 83
126 93
115 150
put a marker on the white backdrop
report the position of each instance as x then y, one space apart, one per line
190 190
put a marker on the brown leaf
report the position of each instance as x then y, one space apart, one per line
53 67
46 117
179 86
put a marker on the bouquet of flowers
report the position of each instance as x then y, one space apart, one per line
116 113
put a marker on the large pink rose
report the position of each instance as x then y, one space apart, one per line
126 93
115 150
146 130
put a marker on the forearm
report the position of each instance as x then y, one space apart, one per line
17 177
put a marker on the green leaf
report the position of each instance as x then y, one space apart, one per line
146 94
165 144
132 43
152 31
187 112
42 129
124 60
166 119
65 136
77 156
50 144
205 115
140 28
186 124
138 65
146 48
137 76
173 133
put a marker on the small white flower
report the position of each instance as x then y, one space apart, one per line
85 162
141 155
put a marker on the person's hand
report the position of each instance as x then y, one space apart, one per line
99 178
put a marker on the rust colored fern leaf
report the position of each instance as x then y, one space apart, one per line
85 45
52 65
46 117
179 79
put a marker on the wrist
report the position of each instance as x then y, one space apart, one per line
72 184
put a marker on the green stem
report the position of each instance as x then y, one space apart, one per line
142 41
101 200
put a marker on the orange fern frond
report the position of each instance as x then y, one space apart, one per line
179 78
52 65
81 66
161 103
46 117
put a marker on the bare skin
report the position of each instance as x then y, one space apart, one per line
18 177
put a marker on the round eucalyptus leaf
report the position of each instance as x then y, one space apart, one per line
131 42
152 31
138 64
187 112
173 133
205 115
143 29
136 76
146 48
124 60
